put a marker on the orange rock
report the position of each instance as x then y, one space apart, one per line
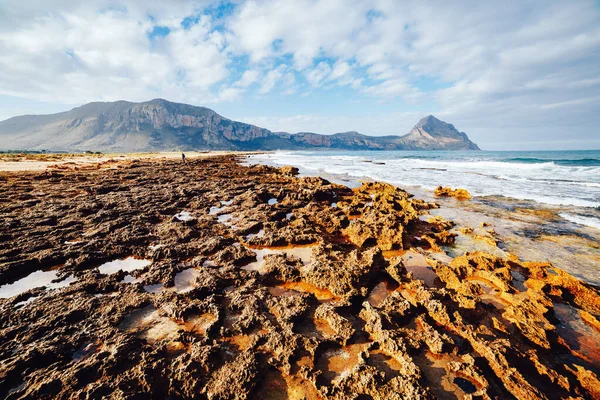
459 194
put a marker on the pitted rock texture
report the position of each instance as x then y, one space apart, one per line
325 293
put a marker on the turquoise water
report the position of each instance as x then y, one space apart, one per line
563 178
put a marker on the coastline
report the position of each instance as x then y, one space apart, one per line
526 229
16 162
258 281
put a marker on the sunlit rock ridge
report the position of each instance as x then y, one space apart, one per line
163 125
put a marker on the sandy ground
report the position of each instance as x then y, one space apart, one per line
40 162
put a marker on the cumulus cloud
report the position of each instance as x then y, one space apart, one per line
483 65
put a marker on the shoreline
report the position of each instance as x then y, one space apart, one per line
518 226
41 162
245 280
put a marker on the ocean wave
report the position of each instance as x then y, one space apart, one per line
582 220
542 182
579 162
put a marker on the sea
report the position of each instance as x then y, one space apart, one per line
557 178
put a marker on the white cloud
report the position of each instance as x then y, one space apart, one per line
248 78
483 64
318 74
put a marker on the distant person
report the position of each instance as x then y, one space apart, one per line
182 157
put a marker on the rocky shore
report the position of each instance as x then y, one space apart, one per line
157 279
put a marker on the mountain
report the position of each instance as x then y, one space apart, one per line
162 125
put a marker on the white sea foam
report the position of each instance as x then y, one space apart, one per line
479 173
582 220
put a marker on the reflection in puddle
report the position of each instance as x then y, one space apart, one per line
288 289
227 203
581 338
34 280
127 264
200 323
156 246
272 201
130 279
29 300
184 216
380 292
155 288
147 323
518 281
288 216
215 210
417 265
491 293
304 253
444 383
385 362
260 234
278 386
338 364
184 280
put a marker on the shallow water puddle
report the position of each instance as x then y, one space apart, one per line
29 300
130 279
223 218
259 234
154 288
200 323
385 362
126 264
272 201
417 265
339 363
322 326
288 216
491 293
380 292
34 280
469 243
147 323
242 341
292 288
227 203
581 338
518 281
215 210
304 253
155 246
184 216
443 383
278 386
183 282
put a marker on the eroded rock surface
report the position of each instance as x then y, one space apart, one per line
254 283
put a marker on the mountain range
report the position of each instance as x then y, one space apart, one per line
123 126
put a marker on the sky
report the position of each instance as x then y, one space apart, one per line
512 75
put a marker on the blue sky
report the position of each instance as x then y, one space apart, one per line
517 75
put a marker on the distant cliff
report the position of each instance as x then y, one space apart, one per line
162 125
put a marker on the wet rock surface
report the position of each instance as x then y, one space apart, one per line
173 280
